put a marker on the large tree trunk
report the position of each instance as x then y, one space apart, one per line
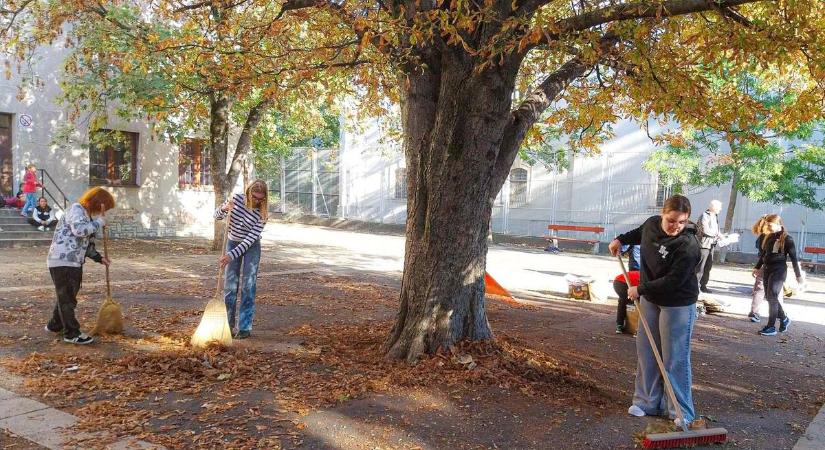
219 142
460 140
454 122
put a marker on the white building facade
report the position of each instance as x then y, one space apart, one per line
165 190
160 189
610 190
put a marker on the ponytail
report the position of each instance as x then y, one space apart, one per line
759 227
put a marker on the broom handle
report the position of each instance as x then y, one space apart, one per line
223 253
106 254
668 386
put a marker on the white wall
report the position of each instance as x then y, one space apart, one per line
611 190
156 207
368 177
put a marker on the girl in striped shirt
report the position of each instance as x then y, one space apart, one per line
247 216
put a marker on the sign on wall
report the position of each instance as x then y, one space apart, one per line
25 120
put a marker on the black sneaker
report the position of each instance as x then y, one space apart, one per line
46 327
81 339
768 331
619 329
243 334
754 317
784 324
704 289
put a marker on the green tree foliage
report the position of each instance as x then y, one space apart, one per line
283 131
766 161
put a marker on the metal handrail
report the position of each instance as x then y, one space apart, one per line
43 191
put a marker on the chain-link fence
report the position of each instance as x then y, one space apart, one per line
608 191
308 183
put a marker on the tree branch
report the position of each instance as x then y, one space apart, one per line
253 119
12 14
637 10
536 102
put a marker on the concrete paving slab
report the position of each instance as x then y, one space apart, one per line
16 406
5 394
37 423
132 444
814 437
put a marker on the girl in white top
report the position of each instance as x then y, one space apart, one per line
247 216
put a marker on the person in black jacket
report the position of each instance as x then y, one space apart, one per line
667 294
43 216
773 266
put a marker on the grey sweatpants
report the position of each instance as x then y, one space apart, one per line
672 328
758 295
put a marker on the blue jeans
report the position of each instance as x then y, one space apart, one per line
634 260
671 328
31 203
250 261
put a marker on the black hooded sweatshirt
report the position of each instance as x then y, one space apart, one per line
668 271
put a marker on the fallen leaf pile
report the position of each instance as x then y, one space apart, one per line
238 396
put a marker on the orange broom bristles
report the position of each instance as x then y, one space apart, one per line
110 315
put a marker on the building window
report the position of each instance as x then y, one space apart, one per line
518 188
113 158
401 182
665 191
194 164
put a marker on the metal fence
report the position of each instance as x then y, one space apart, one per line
309 183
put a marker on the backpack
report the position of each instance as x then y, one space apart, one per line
700 230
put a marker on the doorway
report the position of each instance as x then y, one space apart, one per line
6 164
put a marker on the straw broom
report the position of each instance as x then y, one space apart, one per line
110 315
214 325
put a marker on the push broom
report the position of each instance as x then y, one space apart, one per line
110 315
214 325
686 437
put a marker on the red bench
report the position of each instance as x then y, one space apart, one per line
554 229
816 264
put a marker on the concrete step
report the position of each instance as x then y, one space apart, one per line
17 243
21 226
9 212
11 219
34 233
8 218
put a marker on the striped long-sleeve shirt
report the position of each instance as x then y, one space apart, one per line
245 225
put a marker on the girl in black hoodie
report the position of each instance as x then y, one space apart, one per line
774 251
668 292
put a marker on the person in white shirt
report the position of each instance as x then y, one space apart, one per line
708 235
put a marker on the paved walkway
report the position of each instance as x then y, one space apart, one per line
527 273
43 425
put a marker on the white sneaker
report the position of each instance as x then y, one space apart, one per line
678 423
41 228
635 411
